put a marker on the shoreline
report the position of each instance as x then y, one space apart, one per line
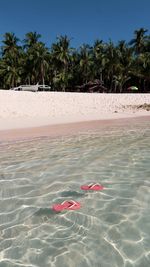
27 114
65 129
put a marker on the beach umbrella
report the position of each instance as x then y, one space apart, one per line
134 88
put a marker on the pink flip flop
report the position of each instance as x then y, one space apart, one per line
94 187
67 205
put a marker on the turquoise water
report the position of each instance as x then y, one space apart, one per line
112 228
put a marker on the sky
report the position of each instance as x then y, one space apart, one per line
83 21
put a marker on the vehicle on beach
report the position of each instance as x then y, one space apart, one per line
32 88
44 87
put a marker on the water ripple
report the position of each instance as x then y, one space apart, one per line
112 226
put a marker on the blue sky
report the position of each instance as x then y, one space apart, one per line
81 20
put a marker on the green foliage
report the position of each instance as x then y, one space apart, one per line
116 66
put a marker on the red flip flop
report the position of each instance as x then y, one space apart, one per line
67 205
94 187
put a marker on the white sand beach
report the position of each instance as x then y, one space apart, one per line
20 110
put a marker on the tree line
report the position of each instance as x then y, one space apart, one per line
114 67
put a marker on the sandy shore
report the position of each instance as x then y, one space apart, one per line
27 109
23 110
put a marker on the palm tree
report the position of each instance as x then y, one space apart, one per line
31 38
142 70
139 40
99 59
124 68
10 44
41 61
141 46
112 65
117 66
62 51
86 63
74 70
37 58
11 73
10 64
61 55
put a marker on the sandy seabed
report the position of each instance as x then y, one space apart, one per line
28 114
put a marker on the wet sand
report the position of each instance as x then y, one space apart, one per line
68 129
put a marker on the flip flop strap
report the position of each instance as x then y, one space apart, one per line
92 185
72 203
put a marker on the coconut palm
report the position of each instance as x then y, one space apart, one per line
10 72
30 45
11 62
139 40
112 65
62 51
143 70
124 68
99 59
86 63
117 66
31 38
41 61
61 55
10 44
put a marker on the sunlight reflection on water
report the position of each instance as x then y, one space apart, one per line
112 226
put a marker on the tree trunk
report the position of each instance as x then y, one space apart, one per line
101 75
29 80
42 74
144 85
12 82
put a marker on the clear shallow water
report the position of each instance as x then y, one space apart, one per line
112 229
